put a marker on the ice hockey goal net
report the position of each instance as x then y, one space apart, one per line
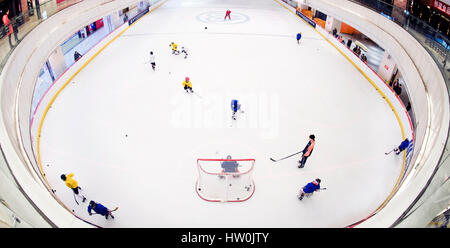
225 180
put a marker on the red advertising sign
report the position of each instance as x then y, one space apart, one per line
443 7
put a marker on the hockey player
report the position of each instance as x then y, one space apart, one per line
184 50
402 146
229 167
235 106
174 47
227 14
152 60
187 85
72 184
309 189
99 209
307 150
299 36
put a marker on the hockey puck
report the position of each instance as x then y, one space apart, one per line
73 210
199 189
126 135
206 27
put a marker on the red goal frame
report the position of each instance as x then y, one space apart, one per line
225 173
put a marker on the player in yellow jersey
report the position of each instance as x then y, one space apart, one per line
72 184
187 85
174 47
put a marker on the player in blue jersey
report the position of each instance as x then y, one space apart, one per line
99 209
309 189
299 36
235 106
230 166
402 146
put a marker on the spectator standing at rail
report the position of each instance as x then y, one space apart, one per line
364 58
38 9
9 27
349 43
397 88
15 26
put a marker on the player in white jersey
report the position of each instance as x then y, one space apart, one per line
184 50
152 60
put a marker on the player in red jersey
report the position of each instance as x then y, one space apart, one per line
227 14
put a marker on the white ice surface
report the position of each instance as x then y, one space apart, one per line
288 91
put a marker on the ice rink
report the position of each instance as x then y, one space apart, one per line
132 135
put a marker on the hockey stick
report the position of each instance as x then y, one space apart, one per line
115 209
285 157
196 94
386 153
75 199
109 213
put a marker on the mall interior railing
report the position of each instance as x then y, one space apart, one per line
24 22
434 41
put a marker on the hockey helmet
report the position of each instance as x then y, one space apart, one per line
318 180
63 177
312 136
187 79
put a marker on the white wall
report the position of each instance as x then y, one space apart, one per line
332 23
387 67
57 62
